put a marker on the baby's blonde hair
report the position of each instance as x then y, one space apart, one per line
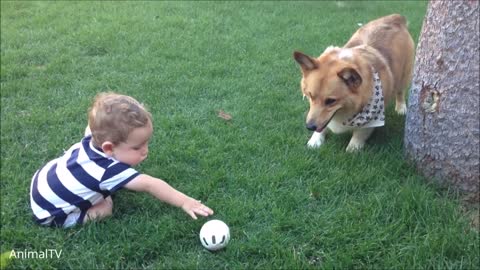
113 116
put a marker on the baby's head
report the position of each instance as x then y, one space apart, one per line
121 126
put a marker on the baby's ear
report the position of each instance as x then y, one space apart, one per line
107 148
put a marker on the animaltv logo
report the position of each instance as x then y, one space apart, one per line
34 254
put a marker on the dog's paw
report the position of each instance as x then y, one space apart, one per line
401 109
354 147
316 140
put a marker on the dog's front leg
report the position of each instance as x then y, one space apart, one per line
317 139
358 139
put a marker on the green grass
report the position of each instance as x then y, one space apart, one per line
287 206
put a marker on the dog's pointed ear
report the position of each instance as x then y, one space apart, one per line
351 78
306 62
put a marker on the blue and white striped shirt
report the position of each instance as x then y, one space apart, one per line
76 181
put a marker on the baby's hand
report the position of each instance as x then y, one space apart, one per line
192 207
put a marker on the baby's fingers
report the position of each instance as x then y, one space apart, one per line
203 210
192 214
207 210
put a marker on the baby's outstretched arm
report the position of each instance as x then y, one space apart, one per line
164 192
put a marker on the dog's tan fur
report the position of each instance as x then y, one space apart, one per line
344 76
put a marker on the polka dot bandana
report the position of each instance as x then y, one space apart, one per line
373 114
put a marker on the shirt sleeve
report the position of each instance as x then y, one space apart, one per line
116 176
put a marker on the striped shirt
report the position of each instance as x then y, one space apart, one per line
76 181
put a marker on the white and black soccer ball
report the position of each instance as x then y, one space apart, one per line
214 235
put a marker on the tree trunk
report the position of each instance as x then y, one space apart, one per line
442 127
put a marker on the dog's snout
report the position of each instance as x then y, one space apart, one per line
311 126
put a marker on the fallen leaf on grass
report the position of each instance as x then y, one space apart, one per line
225 116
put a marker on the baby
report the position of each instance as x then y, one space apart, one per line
76 187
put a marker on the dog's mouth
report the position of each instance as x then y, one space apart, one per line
320 129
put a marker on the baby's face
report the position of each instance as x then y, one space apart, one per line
135 149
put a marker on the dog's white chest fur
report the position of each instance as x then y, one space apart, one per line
336 126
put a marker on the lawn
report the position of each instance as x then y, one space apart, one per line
287 206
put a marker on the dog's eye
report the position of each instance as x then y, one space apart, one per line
330 101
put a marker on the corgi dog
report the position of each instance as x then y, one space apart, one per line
348 88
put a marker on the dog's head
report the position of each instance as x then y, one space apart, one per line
332 85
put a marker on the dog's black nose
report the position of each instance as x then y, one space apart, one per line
311 126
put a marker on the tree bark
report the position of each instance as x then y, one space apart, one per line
442 127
